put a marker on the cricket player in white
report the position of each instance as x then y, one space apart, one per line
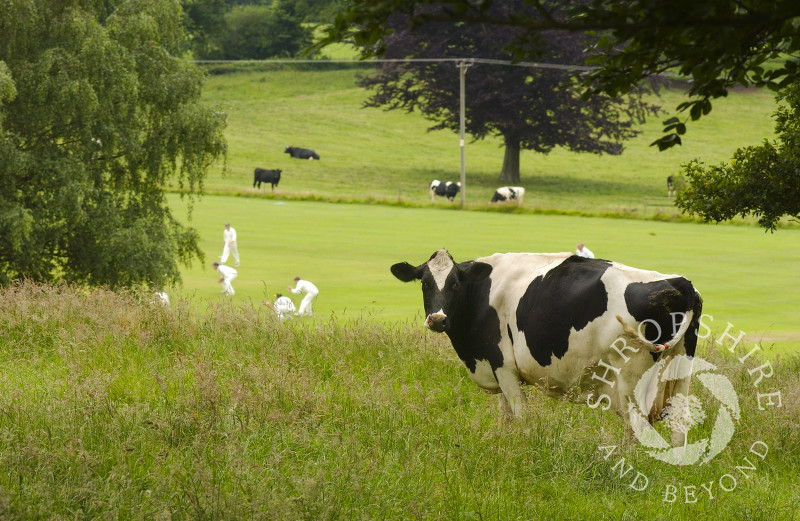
583 251
227 274
283 306
229 245
311 292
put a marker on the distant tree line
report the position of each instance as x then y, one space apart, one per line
254 29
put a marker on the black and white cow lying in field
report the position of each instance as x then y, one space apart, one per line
444 189
301 153
261 175
508 193
586 328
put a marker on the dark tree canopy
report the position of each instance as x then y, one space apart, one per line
717 44
531 108
96 116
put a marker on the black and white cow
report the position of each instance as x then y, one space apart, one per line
585 328
261 175
446 189
508 193
301 153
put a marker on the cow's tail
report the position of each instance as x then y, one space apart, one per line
635 339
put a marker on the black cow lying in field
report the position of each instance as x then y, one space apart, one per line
301 153
444 189
266 176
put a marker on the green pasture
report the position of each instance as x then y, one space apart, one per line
113 407
371 154
747 277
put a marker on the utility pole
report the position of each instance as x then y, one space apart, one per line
462 69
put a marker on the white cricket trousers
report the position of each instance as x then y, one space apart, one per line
226 285
305 304
230 250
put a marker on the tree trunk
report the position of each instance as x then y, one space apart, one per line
510 173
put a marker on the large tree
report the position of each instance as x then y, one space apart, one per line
96 117
531 108
717 44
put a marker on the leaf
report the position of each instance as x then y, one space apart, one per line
696 111
668 141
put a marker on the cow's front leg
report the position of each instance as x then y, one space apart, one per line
512 390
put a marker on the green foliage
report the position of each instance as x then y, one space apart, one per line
256 32
760 180
718 45
205 21
7 89
104 116
315 11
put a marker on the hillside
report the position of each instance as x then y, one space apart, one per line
370 154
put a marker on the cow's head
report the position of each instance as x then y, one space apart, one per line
444 285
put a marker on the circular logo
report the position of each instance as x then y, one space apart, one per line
683 412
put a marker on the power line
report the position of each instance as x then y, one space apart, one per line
487 61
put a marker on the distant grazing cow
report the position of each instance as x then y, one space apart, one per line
587 329
444 189
508 193
301 153
266 176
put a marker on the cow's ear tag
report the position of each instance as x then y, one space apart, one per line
478 271
404 271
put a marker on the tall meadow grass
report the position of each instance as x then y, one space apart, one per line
113 406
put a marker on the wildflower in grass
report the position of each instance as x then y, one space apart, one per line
684 412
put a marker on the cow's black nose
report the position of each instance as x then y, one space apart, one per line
437 322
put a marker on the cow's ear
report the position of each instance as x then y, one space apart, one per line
405 271
477 271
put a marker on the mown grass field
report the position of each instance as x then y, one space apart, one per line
116 408
747 277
